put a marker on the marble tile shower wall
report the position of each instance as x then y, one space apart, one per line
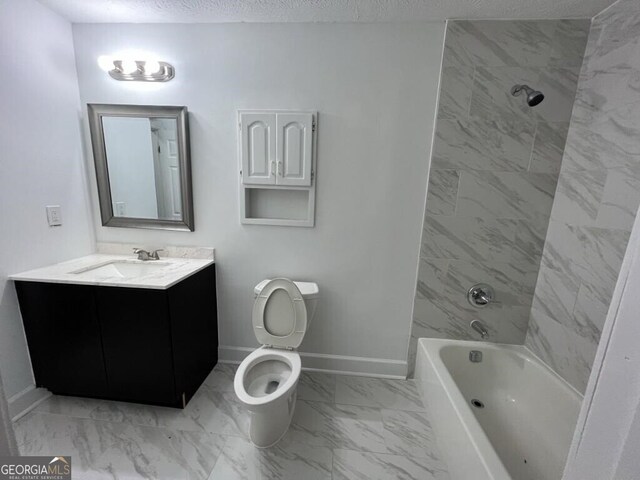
596 201
494 169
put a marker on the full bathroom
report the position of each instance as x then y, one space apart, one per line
320 240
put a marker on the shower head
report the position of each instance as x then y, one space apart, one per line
534 97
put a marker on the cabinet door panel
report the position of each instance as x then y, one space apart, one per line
257 148
294 148
64 337
136 339
194 330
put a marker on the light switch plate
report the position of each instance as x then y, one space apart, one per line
54 215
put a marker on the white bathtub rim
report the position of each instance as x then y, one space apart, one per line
494 467
531 356
475 433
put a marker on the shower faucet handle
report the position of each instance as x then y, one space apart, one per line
481 295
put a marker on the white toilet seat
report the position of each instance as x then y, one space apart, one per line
291 321
258 356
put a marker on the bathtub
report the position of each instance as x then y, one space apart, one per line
524 415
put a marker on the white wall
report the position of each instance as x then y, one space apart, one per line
40 163
375 89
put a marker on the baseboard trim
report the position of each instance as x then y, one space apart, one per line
23 402
340 364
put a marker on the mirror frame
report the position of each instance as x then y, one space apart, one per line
96 112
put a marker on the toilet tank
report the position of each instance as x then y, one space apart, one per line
309 291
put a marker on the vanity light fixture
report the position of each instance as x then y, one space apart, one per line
141 71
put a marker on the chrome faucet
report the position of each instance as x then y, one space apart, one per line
146 256
480 328
481 295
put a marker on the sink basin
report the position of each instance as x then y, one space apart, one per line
121 269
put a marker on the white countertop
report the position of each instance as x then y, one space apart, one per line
166 272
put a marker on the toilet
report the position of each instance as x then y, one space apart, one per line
266 380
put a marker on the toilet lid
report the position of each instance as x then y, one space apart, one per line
280 315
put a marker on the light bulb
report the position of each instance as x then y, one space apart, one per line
151 67
105 62
129 66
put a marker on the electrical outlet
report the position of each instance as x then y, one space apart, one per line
54 215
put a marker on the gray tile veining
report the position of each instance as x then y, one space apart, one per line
120 450
455 95
221 378
494 175
442 192
338 426
317 386
483 144
523 196
410 434
378 392
620 200
288 460
548 147
468 238
499 43
208 441
578 196
596 202
353 465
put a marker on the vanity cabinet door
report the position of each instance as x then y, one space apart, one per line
136 339
63 335
194 330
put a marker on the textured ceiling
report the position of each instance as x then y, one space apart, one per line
204 11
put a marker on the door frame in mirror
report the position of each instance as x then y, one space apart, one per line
96 112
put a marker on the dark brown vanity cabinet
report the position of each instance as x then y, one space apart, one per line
130 344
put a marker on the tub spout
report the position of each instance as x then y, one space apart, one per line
480 328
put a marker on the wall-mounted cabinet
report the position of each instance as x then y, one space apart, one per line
277 167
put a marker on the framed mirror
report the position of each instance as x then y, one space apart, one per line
143 167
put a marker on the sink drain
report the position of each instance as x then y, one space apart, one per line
477 403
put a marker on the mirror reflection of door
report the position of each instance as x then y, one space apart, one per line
166 166
143 164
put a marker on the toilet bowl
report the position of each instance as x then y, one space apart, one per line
266 380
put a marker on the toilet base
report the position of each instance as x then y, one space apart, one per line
269 425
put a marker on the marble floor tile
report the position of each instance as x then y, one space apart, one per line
378 392
317 387
208 411
79 407
208 440
287 460
221 378
411 434
337 426
106 450
352 465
